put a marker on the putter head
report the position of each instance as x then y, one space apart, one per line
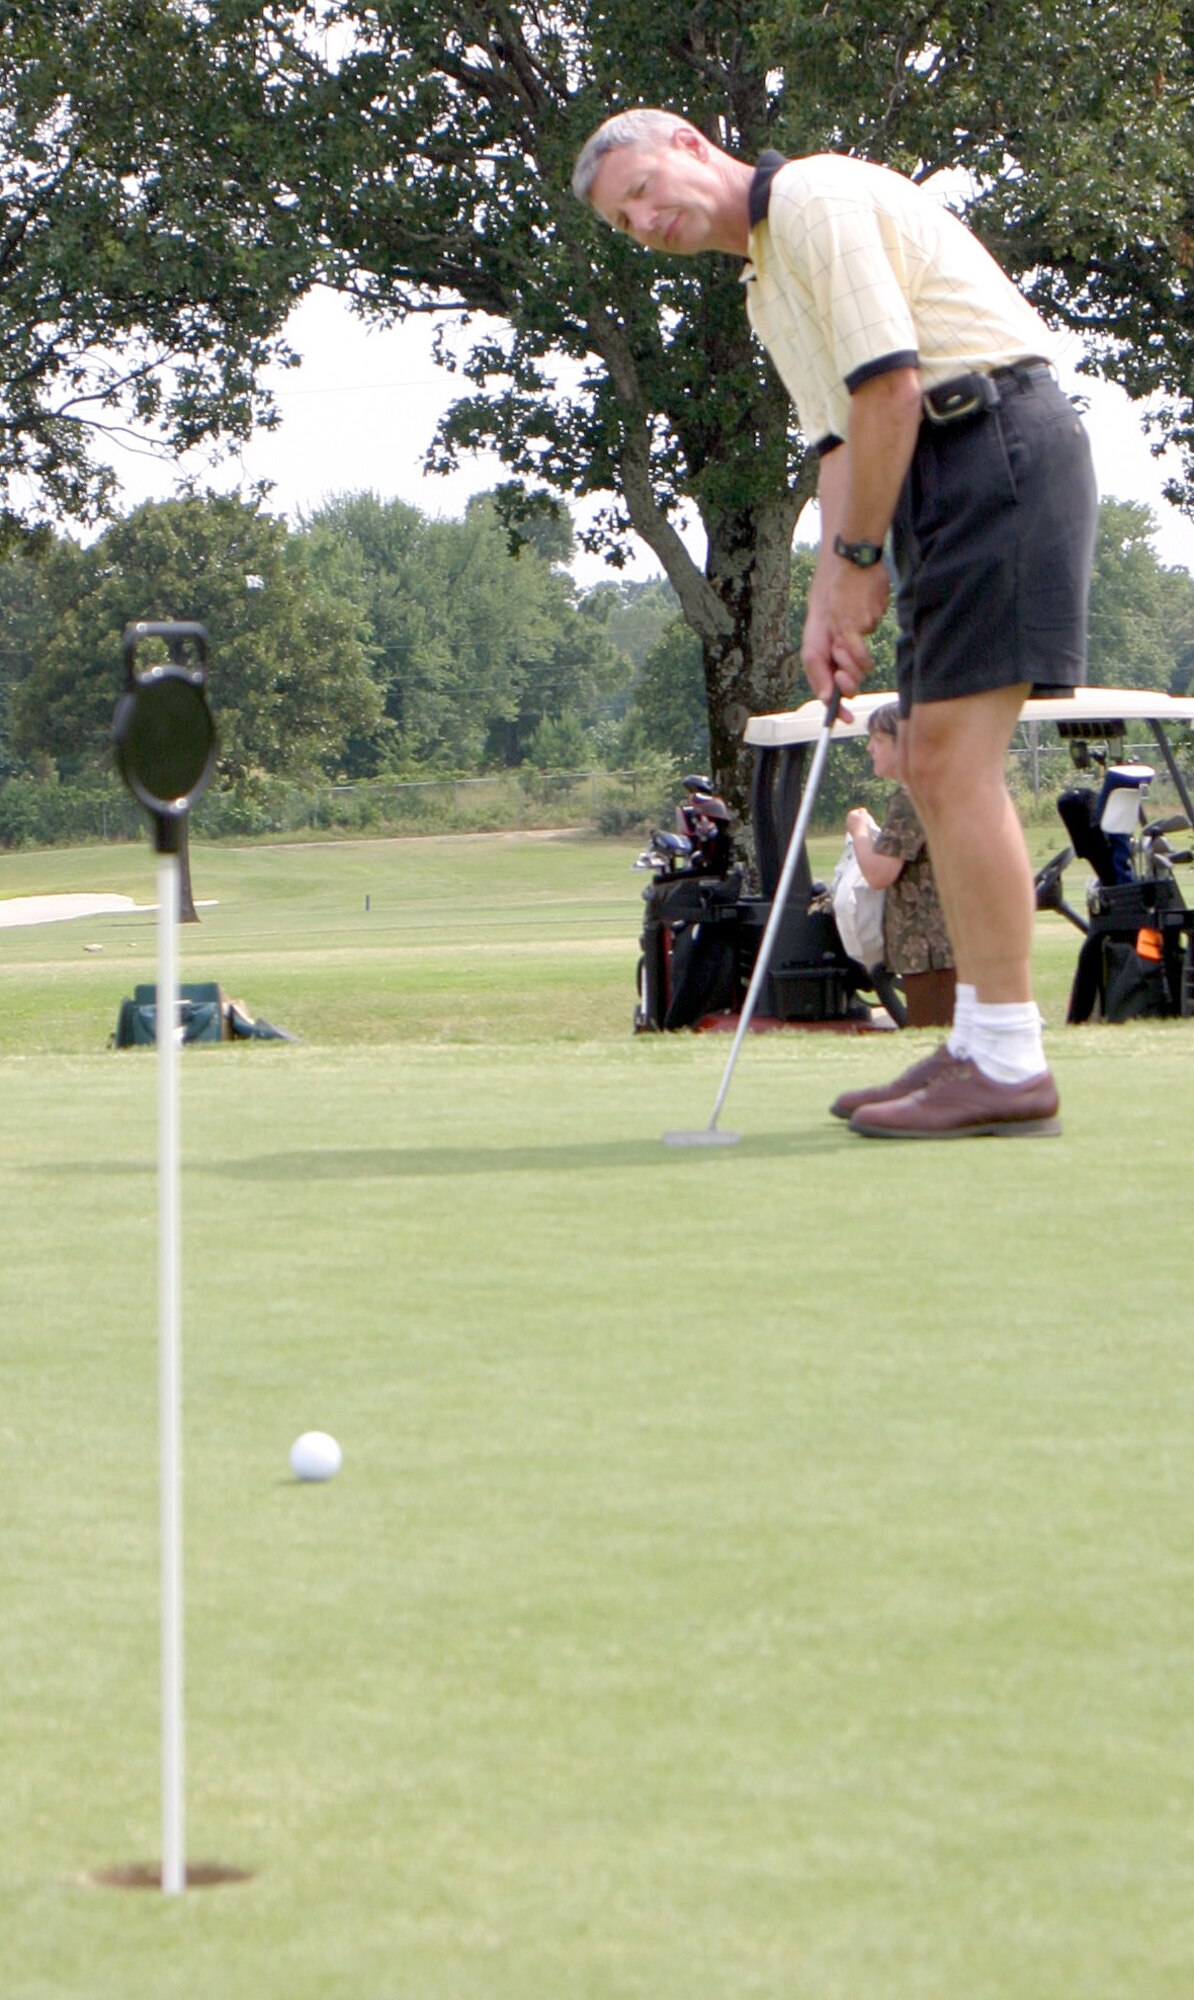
712 1135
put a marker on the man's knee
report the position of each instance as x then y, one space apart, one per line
932 765
953 753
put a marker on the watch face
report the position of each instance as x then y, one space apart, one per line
864 554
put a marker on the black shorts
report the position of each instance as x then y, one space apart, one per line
993 538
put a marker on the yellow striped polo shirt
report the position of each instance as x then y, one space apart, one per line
855 271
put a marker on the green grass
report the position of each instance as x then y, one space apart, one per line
756 1573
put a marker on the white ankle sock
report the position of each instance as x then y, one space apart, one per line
1005 1041
965 1001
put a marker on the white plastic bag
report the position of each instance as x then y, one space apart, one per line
858 909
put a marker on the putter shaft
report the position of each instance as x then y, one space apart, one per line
780 899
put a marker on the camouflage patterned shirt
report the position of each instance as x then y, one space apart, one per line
914 935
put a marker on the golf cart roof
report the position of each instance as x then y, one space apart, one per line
1085 705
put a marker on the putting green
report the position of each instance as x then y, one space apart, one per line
760 1572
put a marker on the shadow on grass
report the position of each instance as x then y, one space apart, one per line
438 1162
358 1163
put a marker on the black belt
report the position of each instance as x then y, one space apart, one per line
972 395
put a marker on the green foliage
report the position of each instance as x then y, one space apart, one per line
635 615
289 657
472 646
36 814
1127 645
643 799
153 242
669 712
590 369
882 641
1141 615
373 640
558 743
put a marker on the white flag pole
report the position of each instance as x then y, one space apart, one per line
170 1378
165 744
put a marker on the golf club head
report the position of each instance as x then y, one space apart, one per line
1048 880
712 1135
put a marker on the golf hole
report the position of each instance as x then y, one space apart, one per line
148 1875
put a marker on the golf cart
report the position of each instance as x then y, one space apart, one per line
701 933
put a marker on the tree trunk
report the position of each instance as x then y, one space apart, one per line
187 913
741 473
751 668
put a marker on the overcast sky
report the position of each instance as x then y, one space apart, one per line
360 412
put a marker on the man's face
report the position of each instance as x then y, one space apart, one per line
663 195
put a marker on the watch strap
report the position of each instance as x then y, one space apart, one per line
864 555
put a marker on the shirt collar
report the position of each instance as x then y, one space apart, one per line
769 164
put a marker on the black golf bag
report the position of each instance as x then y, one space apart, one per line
701 934
1136 959
691 943
1137 956
699 943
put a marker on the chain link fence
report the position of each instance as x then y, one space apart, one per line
36 814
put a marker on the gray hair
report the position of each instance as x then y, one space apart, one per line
884 721
625 128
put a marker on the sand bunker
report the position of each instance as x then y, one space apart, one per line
18 910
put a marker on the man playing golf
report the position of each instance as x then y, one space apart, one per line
923 380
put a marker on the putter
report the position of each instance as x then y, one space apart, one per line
712 1134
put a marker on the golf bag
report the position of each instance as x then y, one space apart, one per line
1137 956
1136 959
691 944
699 943
701 935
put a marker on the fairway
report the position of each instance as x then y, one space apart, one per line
754 1575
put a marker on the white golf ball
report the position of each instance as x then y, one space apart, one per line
315 1455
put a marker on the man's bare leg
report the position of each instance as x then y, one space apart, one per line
953 764
992 1080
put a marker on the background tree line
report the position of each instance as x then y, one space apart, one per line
369 641
372 641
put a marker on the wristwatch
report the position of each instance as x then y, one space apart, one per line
864 555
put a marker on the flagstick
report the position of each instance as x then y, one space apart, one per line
169 1377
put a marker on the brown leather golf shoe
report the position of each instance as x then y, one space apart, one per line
912 1079
961 1103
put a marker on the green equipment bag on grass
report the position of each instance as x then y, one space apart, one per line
204 1015
200 1016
